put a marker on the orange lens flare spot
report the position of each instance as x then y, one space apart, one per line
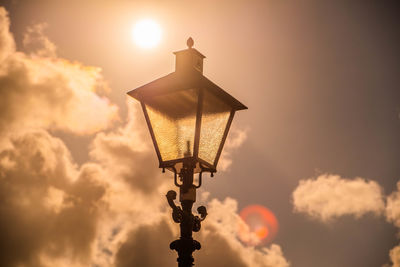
260 225
262 233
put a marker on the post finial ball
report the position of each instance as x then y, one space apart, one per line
190 42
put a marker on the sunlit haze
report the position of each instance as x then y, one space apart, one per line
308 176
146 33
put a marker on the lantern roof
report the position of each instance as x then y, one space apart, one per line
180 81
188 75
190 50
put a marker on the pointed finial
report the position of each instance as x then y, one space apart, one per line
190 42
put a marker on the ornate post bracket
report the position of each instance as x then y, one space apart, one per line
178 214
189 223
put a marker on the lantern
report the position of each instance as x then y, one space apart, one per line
188 115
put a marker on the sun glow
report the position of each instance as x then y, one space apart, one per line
146 33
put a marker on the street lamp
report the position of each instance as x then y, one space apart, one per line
188 117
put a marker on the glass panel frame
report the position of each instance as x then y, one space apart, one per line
201 164
214 119
172 119
221 146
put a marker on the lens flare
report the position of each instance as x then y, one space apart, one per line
260 225
262 232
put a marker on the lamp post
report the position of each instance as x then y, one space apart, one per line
188 117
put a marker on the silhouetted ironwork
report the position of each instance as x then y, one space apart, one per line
188 117
189 223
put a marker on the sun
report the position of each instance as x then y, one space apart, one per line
146 33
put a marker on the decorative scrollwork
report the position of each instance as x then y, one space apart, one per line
177 213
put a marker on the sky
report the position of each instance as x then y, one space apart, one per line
319 145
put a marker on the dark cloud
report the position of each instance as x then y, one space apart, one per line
218 252
48 206
125 154
147 245
109 211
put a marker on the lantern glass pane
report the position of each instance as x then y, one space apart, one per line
173 119
213 123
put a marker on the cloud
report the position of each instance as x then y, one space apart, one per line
128 152
331 196
69 215
147 245
393 215
218 236
235 139
48 206
7 44
39 91
220 232
109 211
37 42
393 207
395 256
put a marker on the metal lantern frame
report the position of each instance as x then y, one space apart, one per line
179 81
